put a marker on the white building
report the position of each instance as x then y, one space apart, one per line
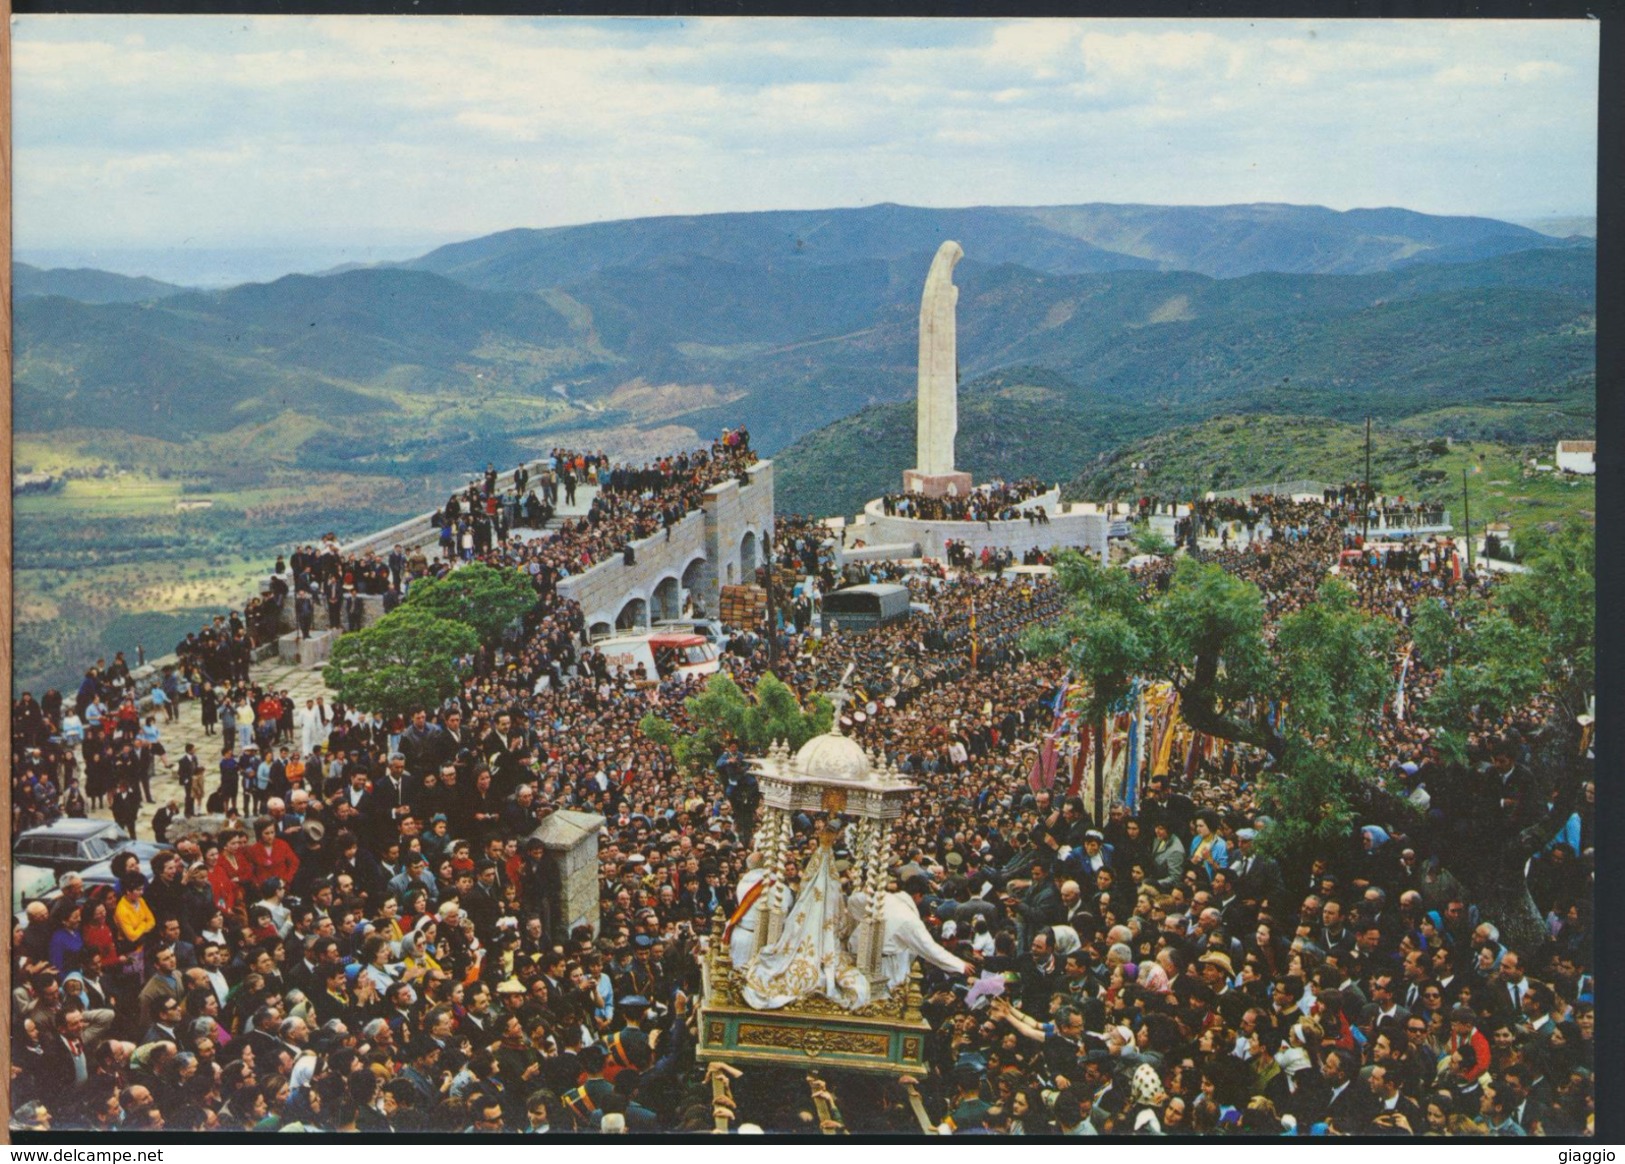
1577 456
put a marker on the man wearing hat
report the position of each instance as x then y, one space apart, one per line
644 977
586 1101
628 1048
967 1110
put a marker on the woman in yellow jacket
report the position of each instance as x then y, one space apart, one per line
133 920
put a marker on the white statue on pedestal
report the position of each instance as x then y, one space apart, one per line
811 954
752 895
938 421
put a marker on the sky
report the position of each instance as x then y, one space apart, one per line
154 144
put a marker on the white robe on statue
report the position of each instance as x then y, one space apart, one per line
742 939
810 956
905 937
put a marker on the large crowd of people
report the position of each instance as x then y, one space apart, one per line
995 501
402 966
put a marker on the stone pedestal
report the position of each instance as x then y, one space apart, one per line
572 848
316 649
954 484
372 609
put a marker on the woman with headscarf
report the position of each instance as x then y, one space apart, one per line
1153 978
418 947
1146 1097
1376 863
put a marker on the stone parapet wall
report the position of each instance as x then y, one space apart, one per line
718 545
1087 531
702 555
606 589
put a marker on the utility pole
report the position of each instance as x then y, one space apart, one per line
1466 517
1365 515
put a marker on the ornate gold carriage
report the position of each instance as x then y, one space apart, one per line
830 774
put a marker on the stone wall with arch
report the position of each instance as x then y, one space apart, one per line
701 554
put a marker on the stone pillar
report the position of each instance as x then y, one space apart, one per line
937 422
572 849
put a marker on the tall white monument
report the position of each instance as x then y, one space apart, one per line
938 421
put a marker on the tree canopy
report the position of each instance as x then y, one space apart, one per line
1310 698
724 711
478 596
1536 637
407 658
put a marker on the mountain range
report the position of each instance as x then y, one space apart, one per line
87 285
1082 318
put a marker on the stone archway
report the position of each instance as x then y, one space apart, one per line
598 629
634 615
747 556
667 601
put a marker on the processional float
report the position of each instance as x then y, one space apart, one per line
831 774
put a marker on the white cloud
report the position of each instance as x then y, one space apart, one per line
147 129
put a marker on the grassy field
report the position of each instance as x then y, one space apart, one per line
107 562
1505 489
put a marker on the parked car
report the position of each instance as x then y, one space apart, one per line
101 873
69 844
30 883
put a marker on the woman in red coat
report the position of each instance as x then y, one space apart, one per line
229 871
271 856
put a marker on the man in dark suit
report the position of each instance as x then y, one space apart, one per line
1349 1105
1513 786
421 744
1257 878
1040 903
67 1065
454 738
388 801
1394 1113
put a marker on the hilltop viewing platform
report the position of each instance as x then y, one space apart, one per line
1045 524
